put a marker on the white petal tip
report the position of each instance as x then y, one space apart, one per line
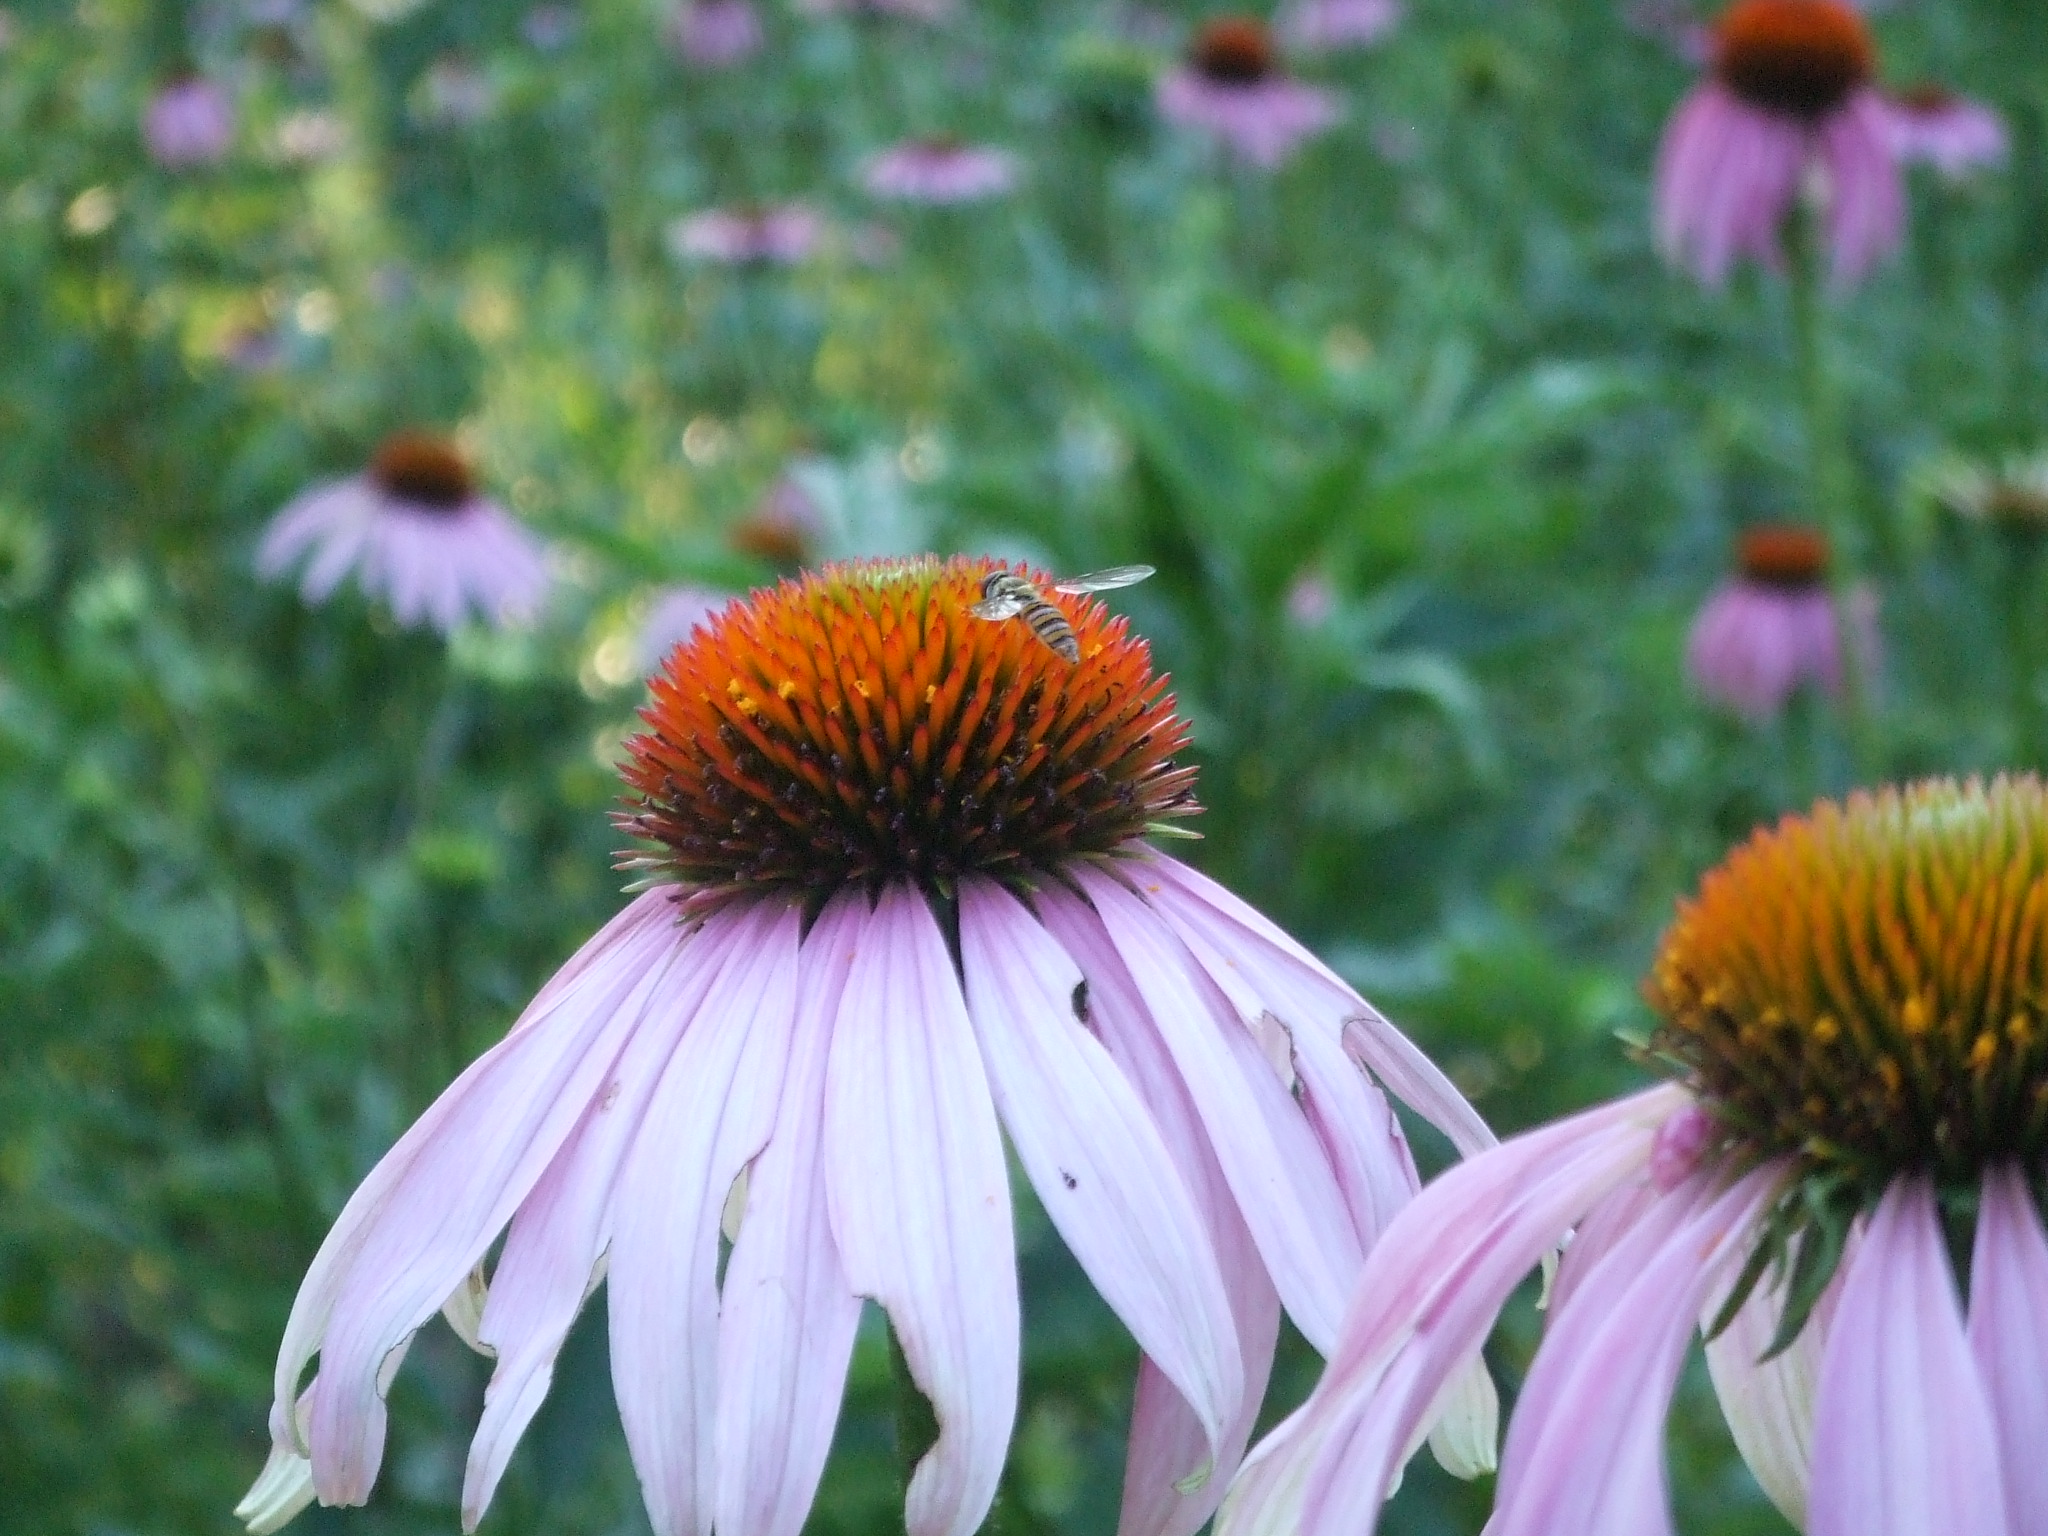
1194 1481
1466 1436
464 1311
284 1487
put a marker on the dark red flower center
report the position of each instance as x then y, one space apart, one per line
1801 58
421 468
1235 50
860 724
1783 555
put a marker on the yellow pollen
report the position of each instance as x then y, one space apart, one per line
1984 1052
1915 1017
1825 1030
785 690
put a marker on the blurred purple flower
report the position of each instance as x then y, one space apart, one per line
416 533
779 234
941 170
715 34
1311 599
1773 628
909 10
1326 25
454 91
1952 133
784 527
1789 112
549 27
676 613
190 122
1675 24
1231 87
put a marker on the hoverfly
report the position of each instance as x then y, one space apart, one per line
1006 595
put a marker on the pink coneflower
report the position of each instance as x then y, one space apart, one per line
900 906
1773 628
417 534
189 123
1231 86
1952 133
549 28
454 91
1855 1001
777 234
783 527
715 34
1319 26
1789 112
940 170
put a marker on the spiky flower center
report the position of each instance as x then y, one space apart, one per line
1783 555
421 468
860 724
1233 50
1864 988
1802 58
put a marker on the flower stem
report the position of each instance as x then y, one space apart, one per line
1829 476
2021 588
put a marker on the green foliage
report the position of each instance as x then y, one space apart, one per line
1434 457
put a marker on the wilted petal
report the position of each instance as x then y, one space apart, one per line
711 1114
920 1201
2009 1337
426 1213
788 1313
1170 1486
1586 1452
1903 1439
285 1485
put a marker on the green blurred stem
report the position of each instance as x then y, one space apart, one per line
2020 596
917 1427
1829 475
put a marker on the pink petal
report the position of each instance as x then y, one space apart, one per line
1165 1490
1586 1451
710 1115
1769 1403
1423 1307
920 1201
428 1211
561 1232
1094 1155
1284 1188
2009 1338
1903 1439
1240 935
788 1314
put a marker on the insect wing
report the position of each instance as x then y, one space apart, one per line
1004 605
1103 581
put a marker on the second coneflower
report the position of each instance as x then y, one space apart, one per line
1842 1190
1774 627
899 904
1788 112
1231 86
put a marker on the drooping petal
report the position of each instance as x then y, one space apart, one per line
710 1116
1272 962
285 1485
1170 1489
1284 1189
428 1211
788 1313
560 1233
1769 1403
1094 1155
1903 1439
920 1201
1586 1450
1424 1304
2009 1337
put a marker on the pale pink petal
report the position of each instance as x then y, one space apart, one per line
1866 191
1608 1222
2009 1339
1769 1403
1423 1306
710 1116
427 1212
788 1313
1586 1450
1903 1439
920 1201
1094 1155
562 1230
1195 901
1284 1188
1165 1490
